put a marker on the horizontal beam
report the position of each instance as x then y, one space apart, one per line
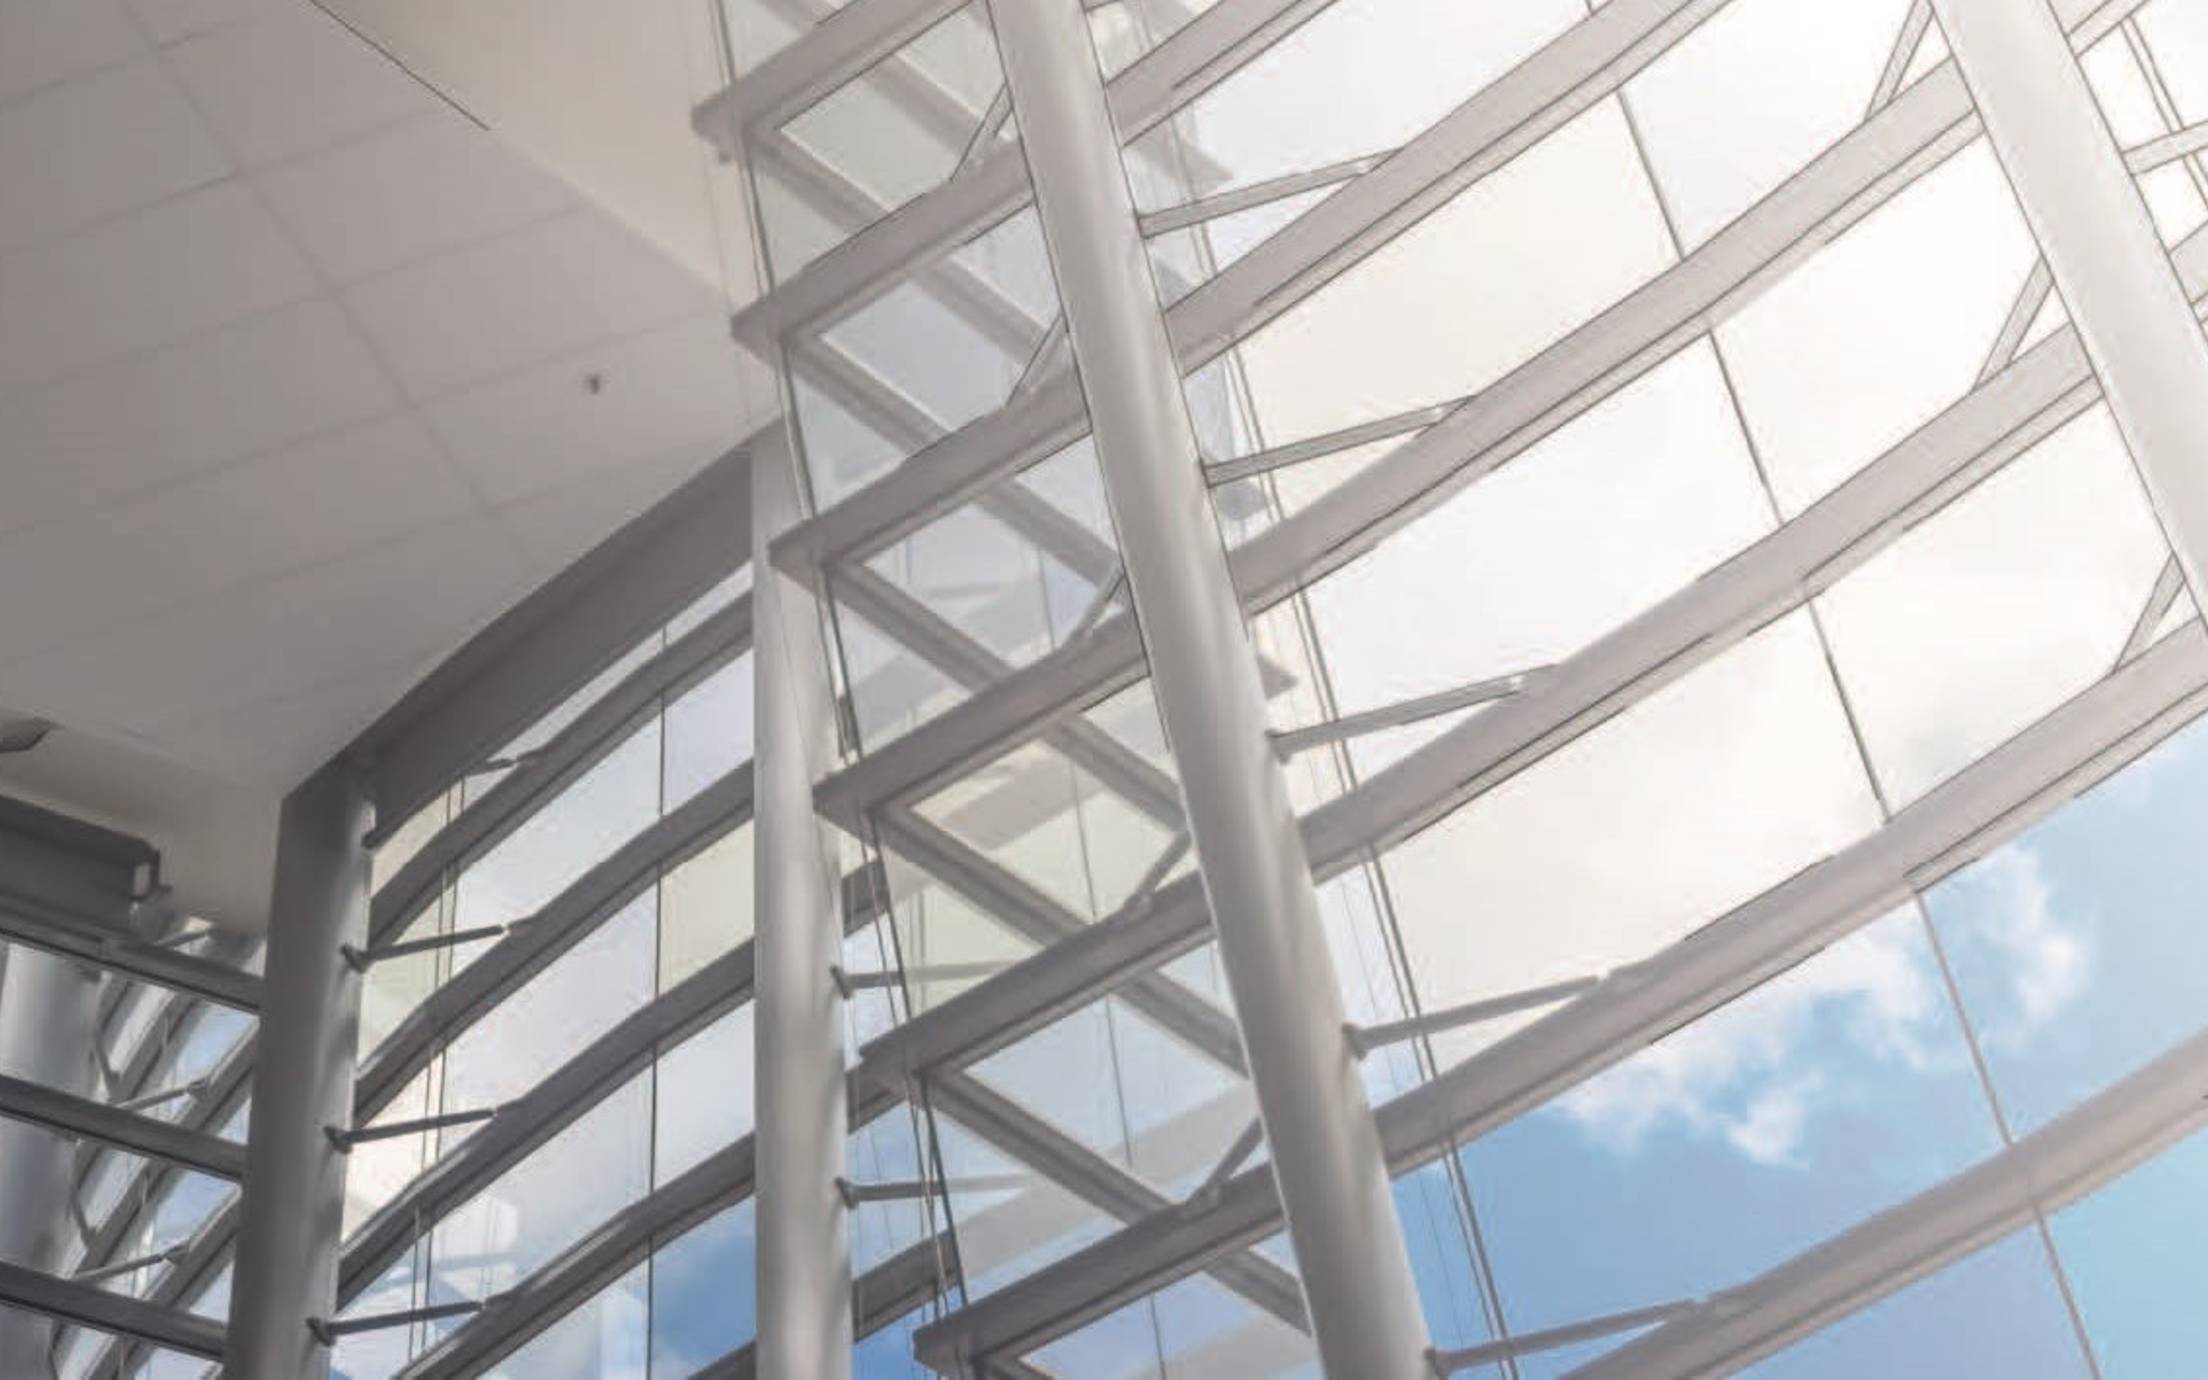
2046 1171
599 1258
839 48
1971 439
1972 813
567 755
25 919
1926 124
551 643
1190 61
1028 911
1100 1183
537 1115
141 1135
560 924
1532 100
959 655
118 1314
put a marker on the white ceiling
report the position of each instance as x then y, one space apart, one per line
294 395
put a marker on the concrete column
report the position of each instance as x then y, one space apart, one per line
805 1326
49 1018
294 1194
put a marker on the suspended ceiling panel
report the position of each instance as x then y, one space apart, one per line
303 377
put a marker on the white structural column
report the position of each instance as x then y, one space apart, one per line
293 1203
1362 1300
49 1010
2123 295
804 1248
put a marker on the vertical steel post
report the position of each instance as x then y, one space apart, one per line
2109 264
1334 1187
804 1271
49 1014
293 1203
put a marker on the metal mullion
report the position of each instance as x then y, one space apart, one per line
104 1310
1099 1182
2142 54
597 731
2038 1175
1972 438
560 923
1924 125
843 46
886 410
851 208
1265 193
2080 743
901 80
1489 129
950 649
1027 911
2169 586
69 1114
557 1101
879 1297
27 920
716 1183
1190 61
558 638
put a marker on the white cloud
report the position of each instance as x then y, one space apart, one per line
1736 1075
2010 923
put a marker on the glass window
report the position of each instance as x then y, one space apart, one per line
703 1288
2074 945
2132 1252
1833 1091
1998 1312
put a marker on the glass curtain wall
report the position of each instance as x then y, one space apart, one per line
1735 687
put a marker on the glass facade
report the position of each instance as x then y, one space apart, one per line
1735 687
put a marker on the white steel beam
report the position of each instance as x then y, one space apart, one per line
1189 62
804 1307
1929 121
1968 816
1361 1297
2107 259
1971 439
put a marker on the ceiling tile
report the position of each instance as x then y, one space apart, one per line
74 579
186 265
676 389
555 528
435 182
107 143
408 598
170 21
48 41
160 415
291 80
280 741
521 299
